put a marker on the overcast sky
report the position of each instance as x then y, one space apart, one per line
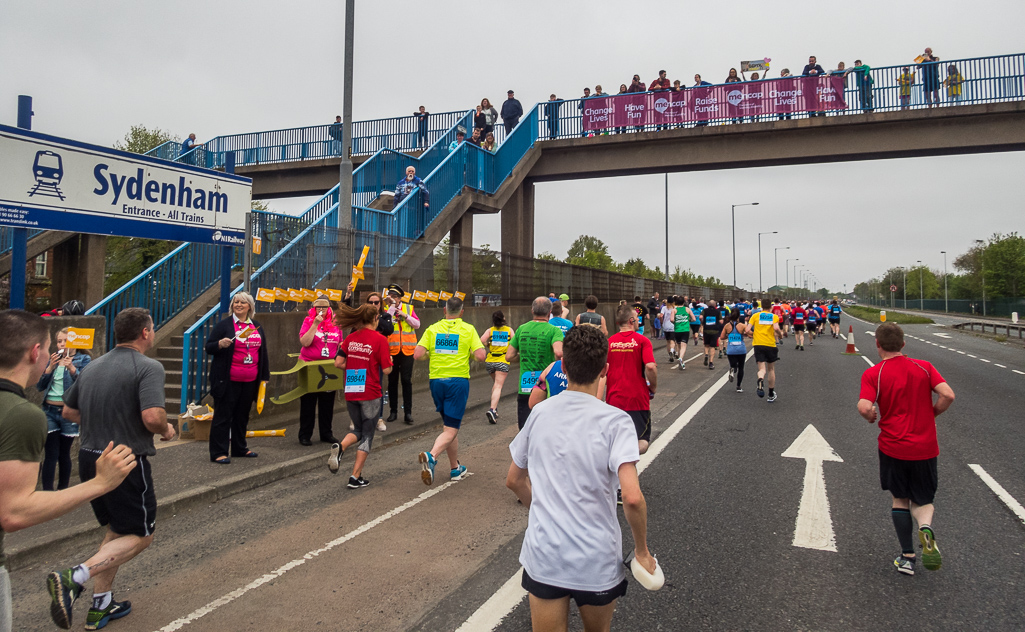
227 66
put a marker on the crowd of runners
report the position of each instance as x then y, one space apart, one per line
583 411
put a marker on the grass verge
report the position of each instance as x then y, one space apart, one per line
872 315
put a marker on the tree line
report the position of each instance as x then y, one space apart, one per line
999 263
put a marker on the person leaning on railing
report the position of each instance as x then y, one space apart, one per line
953 83
240 362
422 115
905 81
409 184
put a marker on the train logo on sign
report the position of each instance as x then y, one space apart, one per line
48 170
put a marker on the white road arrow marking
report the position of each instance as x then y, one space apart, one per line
947 336
814 526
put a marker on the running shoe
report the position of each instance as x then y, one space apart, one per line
905 565
458 473
381 427
771 398
796 347
683 367
711 366
731 374
335 459
706 361
492 416
96 618
740 390
357 483
761 389
64 591
930 552
427 462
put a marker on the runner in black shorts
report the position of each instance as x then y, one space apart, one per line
711 326
642 423
131 509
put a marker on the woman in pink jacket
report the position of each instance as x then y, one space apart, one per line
320 339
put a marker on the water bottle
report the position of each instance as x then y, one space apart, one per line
651 395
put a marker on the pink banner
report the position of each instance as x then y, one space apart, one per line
750 98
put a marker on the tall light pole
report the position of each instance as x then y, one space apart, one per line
667 231
796 266
946 307
786 272
982 261
904 284
921 292
344 219
733 224
760 256
775 262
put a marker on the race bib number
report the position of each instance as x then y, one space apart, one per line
528 380
709 320
500 338
765 318
356 381
446 343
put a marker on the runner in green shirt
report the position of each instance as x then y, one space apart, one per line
451 344
538 343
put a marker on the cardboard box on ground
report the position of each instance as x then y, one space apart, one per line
195 423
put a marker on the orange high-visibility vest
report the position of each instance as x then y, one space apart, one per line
404 337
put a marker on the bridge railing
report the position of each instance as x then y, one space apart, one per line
7 237
167 287
166 151
972 81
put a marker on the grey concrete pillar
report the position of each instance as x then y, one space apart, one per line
518 221
461 255
78 270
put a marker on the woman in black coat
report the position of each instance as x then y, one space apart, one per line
240 362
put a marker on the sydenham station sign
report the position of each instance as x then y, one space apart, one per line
53 183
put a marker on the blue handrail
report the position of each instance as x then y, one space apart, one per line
7 238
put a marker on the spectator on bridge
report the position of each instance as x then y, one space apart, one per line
409 184
813 69
511 112
187 146
598 92
319 338
475 138
637 85
953 84
930 77
490 117
421 128
660 83
783 74
336 133
580 108
905 81
60 374
622 90
478 119
238 345
864 81
698 83
552 116
460 138
489 143
734 78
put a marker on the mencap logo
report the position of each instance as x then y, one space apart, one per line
661 105
72 335
735 97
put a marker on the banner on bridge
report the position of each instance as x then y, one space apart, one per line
52 183
791 95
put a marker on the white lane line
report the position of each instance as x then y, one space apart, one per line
1001 493
984 359
867 360
691 358
1018 372
999 365
961 352
871 333
971 356
844 337
943 346
493 611
178 624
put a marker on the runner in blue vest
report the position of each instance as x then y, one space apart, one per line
834 318
736 352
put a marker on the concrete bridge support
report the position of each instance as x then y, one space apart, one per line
461 255
518 241
79 268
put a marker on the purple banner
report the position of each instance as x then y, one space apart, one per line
749 98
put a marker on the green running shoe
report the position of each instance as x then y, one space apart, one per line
96 619
930 552
63 592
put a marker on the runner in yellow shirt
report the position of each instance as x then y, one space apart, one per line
765 331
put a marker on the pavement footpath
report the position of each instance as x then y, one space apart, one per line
184 476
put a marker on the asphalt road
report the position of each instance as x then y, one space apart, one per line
307 553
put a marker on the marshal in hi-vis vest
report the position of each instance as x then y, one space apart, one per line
404 337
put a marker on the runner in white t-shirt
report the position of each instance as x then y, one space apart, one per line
573 545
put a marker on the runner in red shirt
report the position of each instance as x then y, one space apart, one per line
899 391
797 314
777 309
632 374
364 354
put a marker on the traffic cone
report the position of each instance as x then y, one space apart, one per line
850 341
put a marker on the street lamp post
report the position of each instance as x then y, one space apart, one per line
921 292
733 225
786 272
760 256
775 262
904 284
982 261
946 306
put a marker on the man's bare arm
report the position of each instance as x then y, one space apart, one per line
517 481
155 420
867 409
946 398
635 509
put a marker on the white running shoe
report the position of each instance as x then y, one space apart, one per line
381 426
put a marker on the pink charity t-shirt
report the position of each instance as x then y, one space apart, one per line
245 361
325 341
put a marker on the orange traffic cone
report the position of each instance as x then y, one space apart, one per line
850 341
